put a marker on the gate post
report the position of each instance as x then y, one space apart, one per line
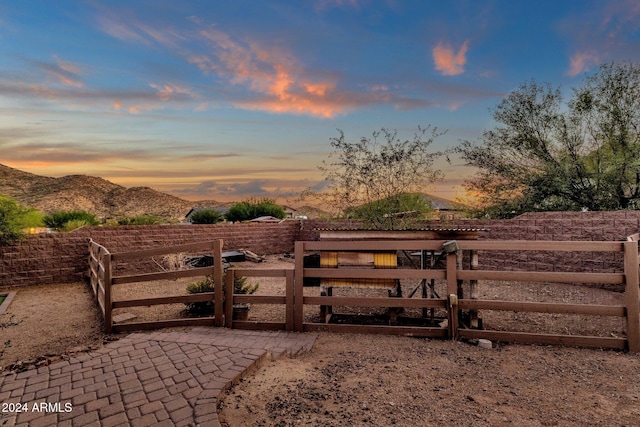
298 288
632 295
108 274
452 292
218 293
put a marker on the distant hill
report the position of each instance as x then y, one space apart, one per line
98 196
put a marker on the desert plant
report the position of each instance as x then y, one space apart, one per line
255 208
240 286
206 216
58 220
10 230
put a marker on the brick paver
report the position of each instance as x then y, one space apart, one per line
157 378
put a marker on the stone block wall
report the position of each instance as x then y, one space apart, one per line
60 258
63 257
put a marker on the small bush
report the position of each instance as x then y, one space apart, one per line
240 286
206 216
254 208
58 220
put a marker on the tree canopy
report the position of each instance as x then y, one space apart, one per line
547 155
373 179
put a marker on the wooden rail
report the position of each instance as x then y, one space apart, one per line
102 281
454 302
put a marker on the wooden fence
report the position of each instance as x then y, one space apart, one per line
454 302
102 281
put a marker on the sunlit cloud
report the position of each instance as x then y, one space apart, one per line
447 60
269 71
581 62
601 34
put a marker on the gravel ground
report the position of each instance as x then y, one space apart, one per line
377 380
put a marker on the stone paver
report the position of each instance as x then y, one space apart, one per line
157 378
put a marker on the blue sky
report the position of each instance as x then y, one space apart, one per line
230 99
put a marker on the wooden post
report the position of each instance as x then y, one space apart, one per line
452 284
473 291
218 297
452 289
632 295
228 300
289 303
452 305
108 319
298 288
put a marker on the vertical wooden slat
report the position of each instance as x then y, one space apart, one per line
473 290
228 297
218 297
452 284
108 320
452 306
298 288
289 305
632 295
459 258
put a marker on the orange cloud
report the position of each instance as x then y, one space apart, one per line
447 61
271 72
581 62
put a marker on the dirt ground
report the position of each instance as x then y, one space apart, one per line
372 379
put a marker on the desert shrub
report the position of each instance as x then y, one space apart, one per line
240 286
253 208
58 220
14 218
206 216
146 219
74 224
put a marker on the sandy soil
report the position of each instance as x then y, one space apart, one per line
377 380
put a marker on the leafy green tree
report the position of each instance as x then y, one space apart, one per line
254 208
59 220
547 155
10 226
376 179
206 216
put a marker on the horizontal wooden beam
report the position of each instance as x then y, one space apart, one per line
191 247
544 307
541 245
376 302
546 339
541 276
373 245
138 326
143 302
261 272
412 331
373 273
165 275
259 299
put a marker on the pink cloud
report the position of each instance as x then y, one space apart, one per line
447 61
271 72
580 62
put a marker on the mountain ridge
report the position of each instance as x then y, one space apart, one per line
101 197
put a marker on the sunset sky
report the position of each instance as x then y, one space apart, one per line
230 99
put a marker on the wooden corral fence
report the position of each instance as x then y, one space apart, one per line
453 275
102 280
453 302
